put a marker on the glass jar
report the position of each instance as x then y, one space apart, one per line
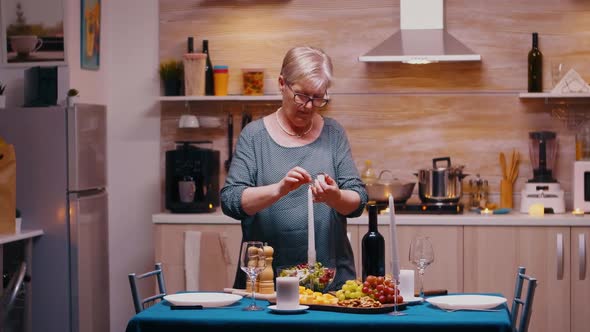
253 82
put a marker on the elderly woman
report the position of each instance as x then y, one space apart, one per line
279 156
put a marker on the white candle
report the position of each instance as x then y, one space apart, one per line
310 229
393 236
287 293
406 284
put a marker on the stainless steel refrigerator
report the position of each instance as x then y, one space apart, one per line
61 189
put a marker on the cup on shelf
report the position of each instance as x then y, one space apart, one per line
18 225
220 80
558 69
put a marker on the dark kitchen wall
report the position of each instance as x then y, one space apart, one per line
398 115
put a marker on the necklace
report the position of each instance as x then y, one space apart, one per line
288 132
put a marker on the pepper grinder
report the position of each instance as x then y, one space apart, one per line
266 278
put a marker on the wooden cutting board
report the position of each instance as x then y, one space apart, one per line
245 293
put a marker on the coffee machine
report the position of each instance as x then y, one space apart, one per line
543 188
192 178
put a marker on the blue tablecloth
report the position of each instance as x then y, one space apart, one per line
421 317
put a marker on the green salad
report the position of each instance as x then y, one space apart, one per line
317 280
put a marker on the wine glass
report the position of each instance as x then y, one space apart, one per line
252 262
421 255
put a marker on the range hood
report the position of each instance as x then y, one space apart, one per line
422 37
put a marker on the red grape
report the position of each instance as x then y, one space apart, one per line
382 289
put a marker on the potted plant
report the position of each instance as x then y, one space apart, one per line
73 97
2 96
171 74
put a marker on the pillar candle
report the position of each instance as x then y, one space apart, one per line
393 236
310 229
406 284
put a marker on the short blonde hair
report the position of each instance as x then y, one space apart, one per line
308 64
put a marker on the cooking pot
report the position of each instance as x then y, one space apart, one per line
382 188
441 184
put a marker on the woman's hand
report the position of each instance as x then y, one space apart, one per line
295 178
326 191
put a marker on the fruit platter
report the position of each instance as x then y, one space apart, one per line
373 296
317 278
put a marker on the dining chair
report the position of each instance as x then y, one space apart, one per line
140 302
13 294
520 322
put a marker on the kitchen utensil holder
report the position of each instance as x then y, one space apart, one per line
506 194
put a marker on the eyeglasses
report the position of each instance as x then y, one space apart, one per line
302 99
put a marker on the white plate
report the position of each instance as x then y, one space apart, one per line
207 300
301 308
412 299
466 301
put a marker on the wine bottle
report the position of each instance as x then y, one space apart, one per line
209 86
373 248
190 45
535 71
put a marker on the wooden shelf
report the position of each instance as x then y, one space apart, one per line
221 98
557 98
550 95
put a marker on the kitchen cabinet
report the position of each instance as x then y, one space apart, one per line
169 247
472 254
580 281
355 237
446 272
492 255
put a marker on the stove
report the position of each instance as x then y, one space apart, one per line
423 208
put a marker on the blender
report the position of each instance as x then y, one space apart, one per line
543 188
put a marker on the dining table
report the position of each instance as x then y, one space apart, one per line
418 317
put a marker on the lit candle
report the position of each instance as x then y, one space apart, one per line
393 235
578 212
487 212
310 229
537 210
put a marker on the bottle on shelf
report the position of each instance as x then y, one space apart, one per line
190 43
535 64
368 175
209 85
373 248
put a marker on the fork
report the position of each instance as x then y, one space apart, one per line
465 309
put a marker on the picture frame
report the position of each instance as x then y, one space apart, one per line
32 32
90 34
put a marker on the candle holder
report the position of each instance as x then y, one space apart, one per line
578 212
486 212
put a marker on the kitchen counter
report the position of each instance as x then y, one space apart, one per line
465 219
23 235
